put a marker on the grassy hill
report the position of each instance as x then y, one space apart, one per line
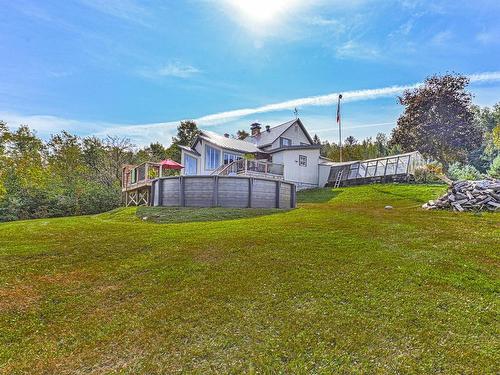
339 284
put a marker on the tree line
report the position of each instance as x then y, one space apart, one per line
69 175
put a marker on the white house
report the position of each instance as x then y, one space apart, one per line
286 151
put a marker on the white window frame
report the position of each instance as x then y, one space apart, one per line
302 161
282 142
212 158
190 157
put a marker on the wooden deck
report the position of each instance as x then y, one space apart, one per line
137 181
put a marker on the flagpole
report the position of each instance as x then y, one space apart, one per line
339 120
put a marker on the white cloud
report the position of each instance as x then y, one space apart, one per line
173 69
485 77
442 38
321 21
162 132
353 49
488 37
321 100
47 125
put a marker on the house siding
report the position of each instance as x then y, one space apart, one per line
295 134
303 177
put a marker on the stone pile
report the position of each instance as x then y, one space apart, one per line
483 195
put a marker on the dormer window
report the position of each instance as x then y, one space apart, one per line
284 142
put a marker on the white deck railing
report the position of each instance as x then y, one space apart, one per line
251 167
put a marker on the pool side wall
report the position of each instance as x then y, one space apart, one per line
223 191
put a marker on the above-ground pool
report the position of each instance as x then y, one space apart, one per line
223 191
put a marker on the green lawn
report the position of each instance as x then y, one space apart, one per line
339 284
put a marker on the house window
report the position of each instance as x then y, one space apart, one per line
229 157
190 165
212 158
284 142
302 161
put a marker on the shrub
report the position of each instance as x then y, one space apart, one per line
458 171
494 170
428 173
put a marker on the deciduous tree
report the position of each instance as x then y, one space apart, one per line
438 120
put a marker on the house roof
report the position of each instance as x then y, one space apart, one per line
266 138
189 149
227 143
296 147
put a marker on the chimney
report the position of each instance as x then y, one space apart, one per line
255 128
268 128
226 135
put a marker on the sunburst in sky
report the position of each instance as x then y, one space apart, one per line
262 11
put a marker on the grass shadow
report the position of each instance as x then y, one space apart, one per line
171 215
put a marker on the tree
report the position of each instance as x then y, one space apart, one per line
458 171
438 120
242 134
494 170
486 118
496 136
3 136
120 152
64 176
154 152
23 179
316 140
382 145
350 141
187 131
3 159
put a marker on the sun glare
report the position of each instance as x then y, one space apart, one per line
261 10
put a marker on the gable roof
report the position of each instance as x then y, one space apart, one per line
266 138
227 143
189 149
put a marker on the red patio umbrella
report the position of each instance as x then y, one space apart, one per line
170 164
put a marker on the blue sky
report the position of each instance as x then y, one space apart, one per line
135 68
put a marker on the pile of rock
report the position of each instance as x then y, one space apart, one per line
469 196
